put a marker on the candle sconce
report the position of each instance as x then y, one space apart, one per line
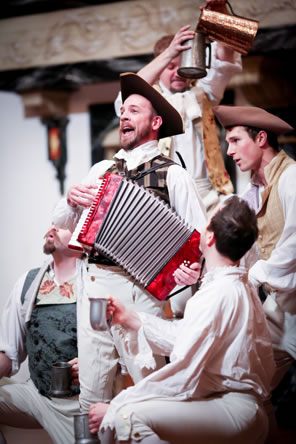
57 146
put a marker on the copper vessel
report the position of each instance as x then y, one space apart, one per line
234 31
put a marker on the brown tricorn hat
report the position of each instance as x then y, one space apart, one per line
251 116
172 122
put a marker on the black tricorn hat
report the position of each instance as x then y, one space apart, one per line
172 122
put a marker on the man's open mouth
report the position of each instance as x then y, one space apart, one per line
127 130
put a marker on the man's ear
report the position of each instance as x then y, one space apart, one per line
261 138
210 238
156 122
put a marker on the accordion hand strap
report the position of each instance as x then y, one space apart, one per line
141 174
176 292
181 160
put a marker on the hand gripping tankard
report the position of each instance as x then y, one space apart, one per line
233 31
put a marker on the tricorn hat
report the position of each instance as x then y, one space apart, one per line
251 116
172 122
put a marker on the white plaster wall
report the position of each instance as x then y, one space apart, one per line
29 192
29 188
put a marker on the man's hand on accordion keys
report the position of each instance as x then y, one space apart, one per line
187 274
82 195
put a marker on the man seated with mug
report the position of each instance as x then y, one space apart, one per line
221 361
40 322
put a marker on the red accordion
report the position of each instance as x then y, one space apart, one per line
139 232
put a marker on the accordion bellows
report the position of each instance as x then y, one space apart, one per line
139 232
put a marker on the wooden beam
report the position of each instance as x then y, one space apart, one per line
42 103
91 33
113 30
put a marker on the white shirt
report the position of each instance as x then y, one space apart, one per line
221 345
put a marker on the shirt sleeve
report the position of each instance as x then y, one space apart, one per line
12 328
155 336
67 217
185 198
279 271
219 75
160 333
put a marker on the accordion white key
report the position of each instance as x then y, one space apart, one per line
139 232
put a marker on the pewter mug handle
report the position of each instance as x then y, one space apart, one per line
209 46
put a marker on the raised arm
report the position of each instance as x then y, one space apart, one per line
152 71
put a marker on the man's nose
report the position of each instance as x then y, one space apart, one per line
53 228
176 72
230 150
124 115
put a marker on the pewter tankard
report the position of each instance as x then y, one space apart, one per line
98 313
193 63
61 377
81 430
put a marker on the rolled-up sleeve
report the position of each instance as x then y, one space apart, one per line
12 328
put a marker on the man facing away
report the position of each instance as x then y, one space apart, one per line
251 134
221 360
40 322
199 145
145 117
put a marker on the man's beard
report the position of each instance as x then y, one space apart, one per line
129 146
48 247
174 91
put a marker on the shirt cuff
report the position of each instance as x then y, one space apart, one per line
14 367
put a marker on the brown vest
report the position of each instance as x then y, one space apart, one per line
270 217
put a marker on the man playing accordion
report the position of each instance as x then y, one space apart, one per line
146 117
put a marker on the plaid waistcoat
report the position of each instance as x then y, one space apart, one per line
155 181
